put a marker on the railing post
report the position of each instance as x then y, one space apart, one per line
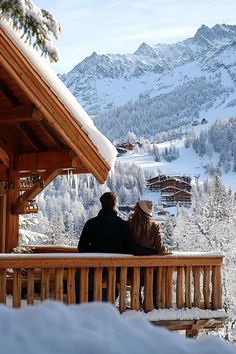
45 279
206 286
111 285
84 284
123 284
3 280
197 292
160 287
71 286
188 281
97 295
169 286
16 288
135 289
30 287
148 289
59 284
179 288
216 300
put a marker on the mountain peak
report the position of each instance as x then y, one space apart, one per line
145 49
219 32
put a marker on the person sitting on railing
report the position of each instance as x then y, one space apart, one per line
105 233
145 231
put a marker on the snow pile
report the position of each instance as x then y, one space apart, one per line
94 328
175 314
104 146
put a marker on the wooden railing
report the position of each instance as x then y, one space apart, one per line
178 280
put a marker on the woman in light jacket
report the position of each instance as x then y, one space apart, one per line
145 231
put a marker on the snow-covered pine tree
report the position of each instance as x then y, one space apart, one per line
36 25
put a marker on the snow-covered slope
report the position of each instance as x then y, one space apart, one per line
103 82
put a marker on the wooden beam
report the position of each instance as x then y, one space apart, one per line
47 177
4 157
8 94
20 114
48 160
31 136
12 225
50 131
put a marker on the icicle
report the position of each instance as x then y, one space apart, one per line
76 186
88 180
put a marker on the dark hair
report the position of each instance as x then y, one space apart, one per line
109 200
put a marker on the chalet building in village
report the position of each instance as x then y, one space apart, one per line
174 190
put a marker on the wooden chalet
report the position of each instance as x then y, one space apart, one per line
44 134
41 135
169 182
180 197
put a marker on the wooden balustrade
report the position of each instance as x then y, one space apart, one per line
167 281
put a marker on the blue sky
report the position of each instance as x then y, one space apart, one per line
120 26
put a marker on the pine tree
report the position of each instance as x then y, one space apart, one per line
33 23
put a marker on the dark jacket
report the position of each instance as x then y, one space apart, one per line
106 233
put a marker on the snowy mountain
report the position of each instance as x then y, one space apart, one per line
189 79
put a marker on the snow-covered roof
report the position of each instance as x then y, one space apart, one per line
103 145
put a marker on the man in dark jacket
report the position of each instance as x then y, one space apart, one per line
106 233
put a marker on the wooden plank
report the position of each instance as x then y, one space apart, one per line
84 284
148 289
48 160
16 302
30 286
123 284
188 282
216 299
4 157
3 279
161 286
206 286
78 260
135 289
2 222
169 287
197 291
71 286
15 115
45 278
12 225
59 272
97 296
111 286
179 288
181 325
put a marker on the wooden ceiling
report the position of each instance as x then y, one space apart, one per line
22 126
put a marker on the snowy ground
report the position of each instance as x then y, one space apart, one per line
188 164
94 328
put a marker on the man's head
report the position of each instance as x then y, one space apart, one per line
109 200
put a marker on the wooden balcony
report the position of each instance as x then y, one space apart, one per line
180 280
174 281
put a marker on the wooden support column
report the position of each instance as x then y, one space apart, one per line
12 220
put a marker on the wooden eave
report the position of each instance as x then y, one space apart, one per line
42 96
